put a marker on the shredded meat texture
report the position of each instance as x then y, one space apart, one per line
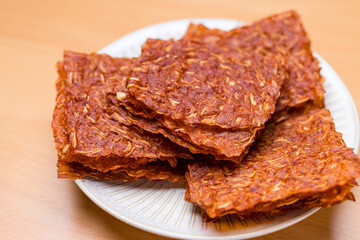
299 163
281 34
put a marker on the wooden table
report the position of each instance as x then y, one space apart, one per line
34 204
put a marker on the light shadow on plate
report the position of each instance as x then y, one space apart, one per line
165 183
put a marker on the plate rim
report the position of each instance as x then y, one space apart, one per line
348 95
158 231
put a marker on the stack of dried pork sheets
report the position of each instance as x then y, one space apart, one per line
90 139
198 107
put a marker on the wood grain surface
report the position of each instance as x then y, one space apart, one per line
34 204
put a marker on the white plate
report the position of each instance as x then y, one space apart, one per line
160 207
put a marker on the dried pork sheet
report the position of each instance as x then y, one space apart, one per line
332 196
299 163
85 126
281 34
205 84
154 171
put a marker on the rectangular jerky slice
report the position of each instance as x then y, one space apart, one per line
282 34
299 163
328 198
84 127
201 84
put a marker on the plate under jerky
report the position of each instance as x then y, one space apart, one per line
85 128
299 163
281 34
